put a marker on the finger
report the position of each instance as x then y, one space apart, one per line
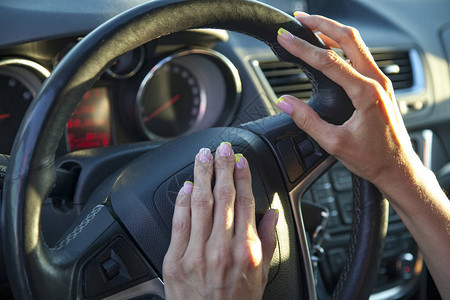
245 202
349 40
267 235
181 222
310 122
224 192
201 199
328 41
328 62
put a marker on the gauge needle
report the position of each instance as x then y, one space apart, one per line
4 116
162 108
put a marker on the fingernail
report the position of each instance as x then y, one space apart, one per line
277 214
284 106
225 149
240 161
188 187
204 155
286 35
300 14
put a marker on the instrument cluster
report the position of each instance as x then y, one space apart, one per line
146 94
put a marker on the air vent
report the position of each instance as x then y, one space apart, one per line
397 66
286 78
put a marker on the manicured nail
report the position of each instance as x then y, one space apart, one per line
225 149
286 35
284 106
300 14
240 161
277 214
204 155
188 187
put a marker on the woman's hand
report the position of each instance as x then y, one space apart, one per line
216 251
373 143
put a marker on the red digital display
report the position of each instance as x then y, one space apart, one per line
89 126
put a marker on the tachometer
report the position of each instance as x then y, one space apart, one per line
170 102
19 84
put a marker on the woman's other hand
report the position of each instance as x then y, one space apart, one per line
216 251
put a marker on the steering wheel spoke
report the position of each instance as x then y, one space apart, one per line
104 261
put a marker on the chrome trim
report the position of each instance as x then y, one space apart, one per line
203 101
134 71
418 73
427 150
26 63
295 199
152 287
269 101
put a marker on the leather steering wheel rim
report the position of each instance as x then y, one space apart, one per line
31 173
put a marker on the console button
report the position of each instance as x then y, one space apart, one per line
305 147
289 159
110 268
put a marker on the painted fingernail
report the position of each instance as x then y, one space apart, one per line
225 149
284 106
300 14
277 214
284 34
188 187
240 161
204 155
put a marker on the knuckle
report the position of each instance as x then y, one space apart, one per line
303 121
224 193
196 264
172 270
249 255
245 200
327 58
224 163
221 257
350 33
369 90
386 83
181 226
201 200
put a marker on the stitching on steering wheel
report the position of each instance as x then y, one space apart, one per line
353 239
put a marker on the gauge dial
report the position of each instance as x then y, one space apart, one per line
128 64
170 101
18 87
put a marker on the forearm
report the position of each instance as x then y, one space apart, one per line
425 210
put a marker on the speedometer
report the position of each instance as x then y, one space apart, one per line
171 101
186 92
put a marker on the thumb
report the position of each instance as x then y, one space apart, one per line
267 235
308 120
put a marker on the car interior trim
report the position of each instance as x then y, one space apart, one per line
135 69
153 287
428 137
27 63
295 199
419 82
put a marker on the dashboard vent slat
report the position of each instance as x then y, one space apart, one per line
286 78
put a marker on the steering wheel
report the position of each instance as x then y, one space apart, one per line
116 247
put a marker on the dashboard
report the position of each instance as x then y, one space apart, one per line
150 93
205 78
